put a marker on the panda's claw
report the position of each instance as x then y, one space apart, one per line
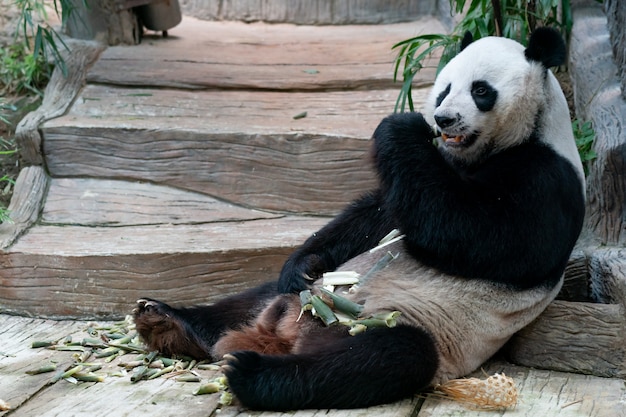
229 357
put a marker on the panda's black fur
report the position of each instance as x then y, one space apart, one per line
487 238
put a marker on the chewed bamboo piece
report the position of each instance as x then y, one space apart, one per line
497 392
4 406
391 237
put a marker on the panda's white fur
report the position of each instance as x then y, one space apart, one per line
490 217
470 320
528 97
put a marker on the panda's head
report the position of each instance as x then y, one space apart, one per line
495 93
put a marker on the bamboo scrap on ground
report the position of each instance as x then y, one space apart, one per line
62 345
543 393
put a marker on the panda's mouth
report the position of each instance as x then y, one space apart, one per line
458 140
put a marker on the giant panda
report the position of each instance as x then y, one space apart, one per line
490 210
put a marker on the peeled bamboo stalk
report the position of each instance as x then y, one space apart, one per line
497 392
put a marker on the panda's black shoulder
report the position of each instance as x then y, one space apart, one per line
531 159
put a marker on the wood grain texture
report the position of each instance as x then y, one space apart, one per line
311 12
543 393
226 55
244 147
16 356
616 19
31 396
598 98
583 338
96 202
26 204
105 21
99 272
58 96
607 268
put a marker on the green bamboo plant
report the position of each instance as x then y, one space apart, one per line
514 19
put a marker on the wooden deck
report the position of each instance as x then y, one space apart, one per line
541 393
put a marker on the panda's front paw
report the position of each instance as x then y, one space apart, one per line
154 320
163 329
299 272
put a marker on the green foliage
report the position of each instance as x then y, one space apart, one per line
6 185
585 136
22 72
25 68
27 64
513 19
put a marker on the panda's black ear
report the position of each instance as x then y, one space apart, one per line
546 45
467 39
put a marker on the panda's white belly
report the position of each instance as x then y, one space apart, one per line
470 319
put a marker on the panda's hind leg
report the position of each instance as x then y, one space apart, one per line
192 331
375 367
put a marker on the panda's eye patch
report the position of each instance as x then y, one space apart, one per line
442 95
484 95
481 91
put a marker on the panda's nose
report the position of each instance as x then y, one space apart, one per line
445 121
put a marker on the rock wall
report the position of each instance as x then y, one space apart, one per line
616 20
599 99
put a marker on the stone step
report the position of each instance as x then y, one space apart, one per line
101 244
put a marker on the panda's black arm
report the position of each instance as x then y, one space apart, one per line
524 205
357 229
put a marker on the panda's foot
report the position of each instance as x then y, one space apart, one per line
162 328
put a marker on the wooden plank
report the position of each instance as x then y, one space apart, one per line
115 395
335 114
541 393
311 12
252 152
405 408
544 393
16 356
200 54
58 96
99 272
161 396
574 337
96 202
26 204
